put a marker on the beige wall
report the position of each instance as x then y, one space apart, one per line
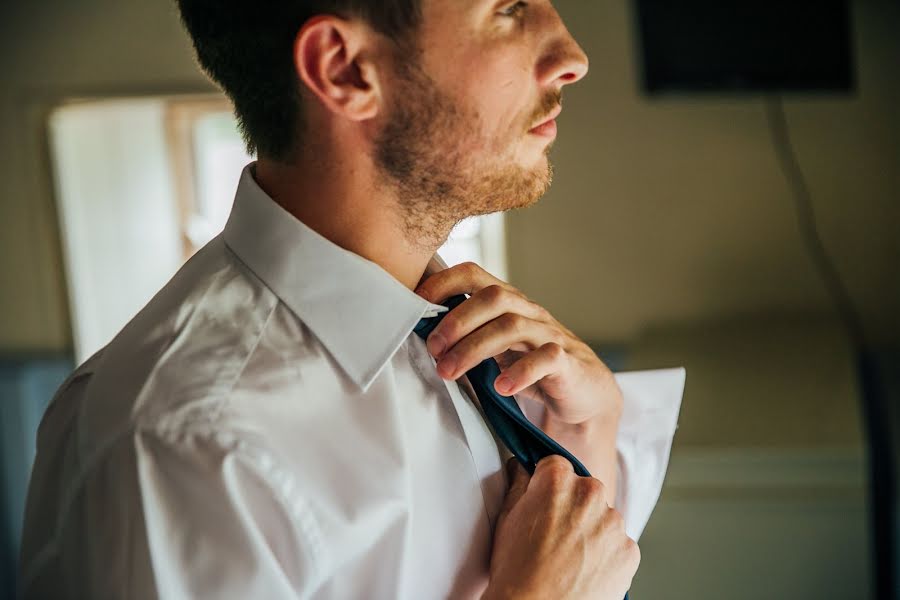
773 383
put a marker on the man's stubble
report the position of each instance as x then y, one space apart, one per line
421 156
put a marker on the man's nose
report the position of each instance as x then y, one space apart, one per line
564 61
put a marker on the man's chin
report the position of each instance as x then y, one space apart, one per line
535 189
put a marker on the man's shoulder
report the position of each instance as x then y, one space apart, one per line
183 352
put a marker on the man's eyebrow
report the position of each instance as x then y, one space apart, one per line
485 4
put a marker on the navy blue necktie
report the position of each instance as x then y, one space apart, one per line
524 439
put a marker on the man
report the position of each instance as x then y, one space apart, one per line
269 425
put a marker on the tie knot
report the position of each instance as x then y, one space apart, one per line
426 325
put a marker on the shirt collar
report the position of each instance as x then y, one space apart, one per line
359 311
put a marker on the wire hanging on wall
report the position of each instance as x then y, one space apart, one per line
806 221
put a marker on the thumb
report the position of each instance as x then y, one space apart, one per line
519 479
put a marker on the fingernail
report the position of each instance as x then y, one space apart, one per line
436 344
503 384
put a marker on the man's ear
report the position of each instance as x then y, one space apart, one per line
334 58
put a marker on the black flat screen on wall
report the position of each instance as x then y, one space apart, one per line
729 45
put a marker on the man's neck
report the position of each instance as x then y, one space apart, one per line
343 203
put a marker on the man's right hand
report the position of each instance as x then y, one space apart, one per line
556 537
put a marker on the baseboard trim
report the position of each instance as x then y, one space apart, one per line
830 472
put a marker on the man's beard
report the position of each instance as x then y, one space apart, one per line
421 154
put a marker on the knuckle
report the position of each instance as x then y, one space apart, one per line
555 479
594 489
527 371
538 310
470 268
513 321
614 520
557 461
565 340
632 552
494 293
553 350
555 469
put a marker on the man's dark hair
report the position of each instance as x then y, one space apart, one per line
247 48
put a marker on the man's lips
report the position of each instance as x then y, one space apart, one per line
547 129
548 126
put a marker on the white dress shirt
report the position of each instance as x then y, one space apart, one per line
269 426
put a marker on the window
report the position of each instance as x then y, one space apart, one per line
207 156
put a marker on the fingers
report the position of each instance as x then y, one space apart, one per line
518 483
464 278
549 359
510 331
484 306
568 518
552 477
612 527
554 466
518 476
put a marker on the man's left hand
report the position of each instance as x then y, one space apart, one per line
541 359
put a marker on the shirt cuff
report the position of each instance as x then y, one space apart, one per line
652 401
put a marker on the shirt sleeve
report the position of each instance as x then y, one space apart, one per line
184 515
651 403
224 520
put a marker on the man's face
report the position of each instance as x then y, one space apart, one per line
458 139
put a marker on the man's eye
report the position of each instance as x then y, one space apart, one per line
514 10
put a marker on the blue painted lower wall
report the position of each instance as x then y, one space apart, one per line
27 385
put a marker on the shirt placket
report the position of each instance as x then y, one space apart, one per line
485 448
